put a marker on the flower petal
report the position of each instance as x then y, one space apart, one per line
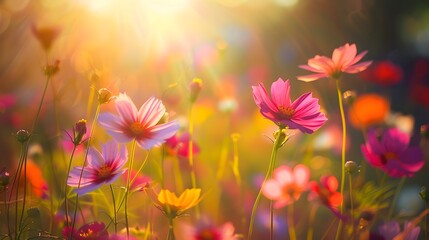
280 93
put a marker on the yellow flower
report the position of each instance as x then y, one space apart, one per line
174 206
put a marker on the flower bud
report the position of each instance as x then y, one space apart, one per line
424 194
46 36
349 97
104 95
352 167
52 69
22 136
79 131
195 88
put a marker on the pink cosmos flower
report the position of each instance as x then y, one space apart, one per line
327 193
102 168
287 184
344 59
207 230
142 125
303 114
140 181
392 153
90 231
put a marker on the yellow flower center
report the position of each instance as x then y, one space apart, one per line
286 112
136 129
86 234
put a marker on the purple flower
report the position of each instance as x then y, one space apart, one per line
392 153
392 230
102 168
142 125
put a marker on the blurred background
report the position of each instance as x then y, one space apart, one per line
155 48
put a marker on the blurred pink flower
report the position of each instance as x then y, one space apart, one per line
102 168
142 125
303 114
179 145
287 184
344 59
207 230
140 182
326 193
392 153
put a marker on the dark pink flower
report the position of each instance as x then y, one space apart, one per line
140 181
179 145
392 153
206 230
344 59
303 114
286 185
102 168
385 73
142 125
90 231
326 193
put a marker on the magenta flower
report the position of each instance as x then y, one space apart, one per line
303 114
102 168
179 145
90 231
287 185
392 230
344 59
392 153
205 229
142 125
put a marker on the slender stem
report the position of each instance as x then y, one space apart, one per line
65 186
291 222
90 100
115 219
6 208
20 164
271 220
277 144
97 112
351 204
48 78
343 155
130 167
25 188
170 235
162 165
191 154
311 222
395 198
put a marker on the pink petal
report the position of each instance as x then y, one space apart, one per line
280 93
281 202
272 189
88 188
357 67
262 99
110 152
283 175
330 183
395 141
151 112
115 176
344 55
95 159
312 77
412 159
126 108
373 159
322 63
301 175
158 134
113 125
311 69
358 57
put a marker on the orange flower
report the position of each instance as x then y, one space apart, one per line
36 180
46 36
367 110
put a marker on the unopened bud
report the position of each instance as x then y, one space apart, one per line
79 131
424 194
22 136
352 167
349 97
195 88
104 95
52 69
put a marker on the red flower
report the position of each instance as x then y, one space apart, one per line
327 193
384 73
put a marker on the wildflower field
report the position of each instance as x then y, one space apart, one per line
214 119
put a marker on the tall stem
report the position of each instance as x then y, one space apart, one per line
395 198
351 204
170 235
343 155
191 153
115 220
277 144
97 112
65 186
311 222
130 167
25 187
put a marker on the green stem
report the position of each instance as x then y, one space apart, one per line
25 189
130 167
351 204
19 170
311 222
97 112
343 155
170 235
191 154
291 222
6 208
395 198
65 186
115 219
277 144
